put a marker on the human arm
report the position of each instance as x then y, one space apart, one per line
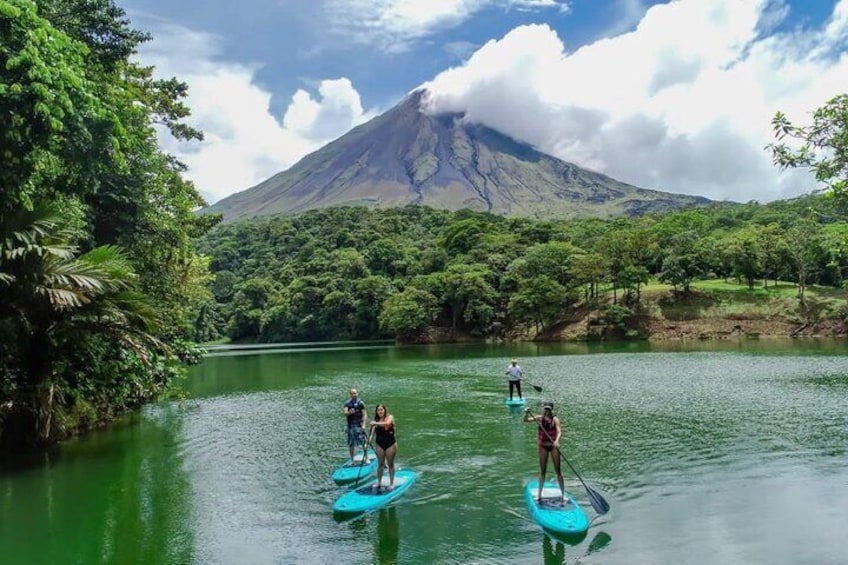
364 415
528 415
384 423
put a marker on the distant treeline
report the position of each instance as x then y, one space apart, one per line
357 273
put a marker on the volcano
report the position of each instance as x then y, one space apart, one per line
405 156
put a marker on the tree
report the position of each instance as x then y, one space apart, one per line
632 278
683 261
589 269
408 313
466 285
52 297
746 255
615 246
462 236
773 248
551 259
835 245
370 293
539 300
804 247
824 145
250 301
50 116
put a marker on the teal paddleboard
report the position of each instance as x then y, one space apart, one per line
350 469
515 402
367 498
552 514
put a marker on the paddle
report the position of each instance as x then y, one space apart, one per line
364 455
598 503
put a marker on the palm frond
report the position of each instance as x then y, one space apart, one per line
62 298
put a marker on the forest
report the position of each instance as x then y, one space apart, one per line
356 273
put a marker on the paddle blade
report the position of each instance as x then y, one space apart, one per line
600 505
536 388
599 542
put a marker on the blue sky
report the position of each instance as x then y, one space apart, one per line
675 96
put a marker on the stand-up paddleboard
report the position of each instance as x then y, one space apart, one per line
350 469
515 402
552 514
367 498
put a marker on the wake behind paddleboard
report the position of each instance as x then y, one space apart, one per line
350 469
366 498
552 514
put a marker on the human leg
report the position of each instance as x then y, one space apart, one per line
381 461
558 472
543 469
351 440
518 387
390 460
511 387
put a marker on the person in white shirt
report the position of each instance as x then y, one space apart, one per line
515 373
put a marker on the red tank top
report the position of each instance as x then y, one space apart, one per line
546 426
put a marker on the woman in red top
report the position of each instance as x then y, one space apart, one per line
383 428
549 433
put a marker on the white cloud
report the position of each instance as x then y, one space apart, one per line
244 143
337 110
682 103
394 25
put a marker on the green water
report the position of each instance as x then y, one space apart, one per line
734 453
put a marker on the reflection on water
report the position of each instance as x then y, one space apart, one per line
387 543
95 501
553 552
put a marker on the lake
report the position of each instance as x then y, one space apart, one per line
717 452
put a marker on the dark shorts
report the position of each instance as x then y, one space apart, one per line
547 447
356 436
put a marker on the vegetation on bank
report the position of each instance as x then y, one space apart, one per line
416 273
99 277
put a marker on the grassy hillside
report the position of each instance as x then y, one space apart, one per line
718 309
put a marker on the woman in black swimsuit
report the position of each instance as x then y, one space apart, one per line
383 428
548 436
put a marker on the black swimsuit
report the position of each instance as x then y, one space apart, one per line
385 436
